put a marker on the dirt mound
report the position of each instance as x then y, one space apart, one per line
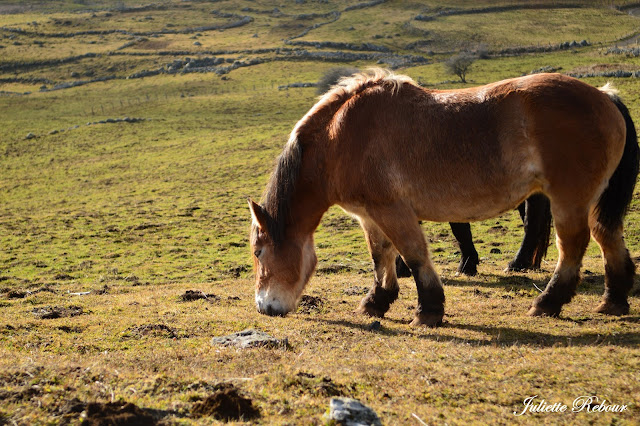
310 304
116 413
226 404
191 295
51 312
355 290
304 383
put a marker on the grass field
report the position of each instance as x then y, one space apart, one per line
108 222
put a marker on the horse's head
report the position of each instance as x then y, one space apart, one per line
283 269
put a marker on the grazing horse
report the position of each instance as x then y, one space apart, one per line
392 153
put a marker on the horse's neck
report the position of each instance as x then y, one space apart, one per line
308 206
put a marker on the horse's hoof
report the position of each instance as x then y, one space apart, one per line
539 311
429 320
514 267
370 310
610 308
470 272
468 267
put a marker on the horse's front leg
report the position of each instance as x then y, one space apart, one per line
385 286
400 224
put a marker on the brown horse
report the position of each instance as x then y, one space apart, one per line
392 153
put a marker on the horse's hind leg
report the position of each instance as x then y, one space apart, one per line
400 225
536 218
385 287
619 269
572 238
470 259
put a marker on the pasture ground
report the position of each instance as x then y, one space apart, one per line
105 223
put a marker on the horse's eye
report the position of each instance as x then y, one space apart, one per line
257 253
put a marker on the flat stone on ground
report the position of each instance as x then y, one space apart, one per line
250 338
351 412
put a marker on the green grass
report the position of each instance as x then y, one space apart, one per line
155 208
531 27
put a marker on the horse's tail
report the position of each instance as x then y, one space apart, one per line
544 232
614 201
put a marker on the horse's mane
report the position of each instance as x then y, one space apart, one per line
282 184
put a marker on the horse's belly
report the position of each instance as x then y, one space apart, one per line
465 211
469 203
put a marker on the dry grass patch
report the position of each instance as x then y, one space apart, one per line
154 351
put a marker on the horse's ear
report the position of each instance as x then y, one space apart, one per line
258 215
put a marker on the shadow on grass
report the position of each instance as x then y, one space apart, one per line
590 283
506 336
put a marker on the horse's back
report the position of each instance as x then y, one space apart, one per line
462 155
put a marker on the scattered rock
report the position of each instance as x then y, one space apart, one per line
341 45
51 312
351 412
226 404
197 43
115 413
296 85
30 136
310 304
250 338
547 68
495 250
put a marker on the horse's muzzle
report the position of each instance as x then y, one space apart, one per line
269 306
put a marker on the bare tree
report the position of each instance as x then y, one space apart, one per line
460 64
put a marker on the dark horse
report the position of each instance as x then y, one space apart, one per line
392 153
536 216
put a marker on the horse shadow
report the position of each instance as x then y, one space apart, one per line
591 283
500 336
